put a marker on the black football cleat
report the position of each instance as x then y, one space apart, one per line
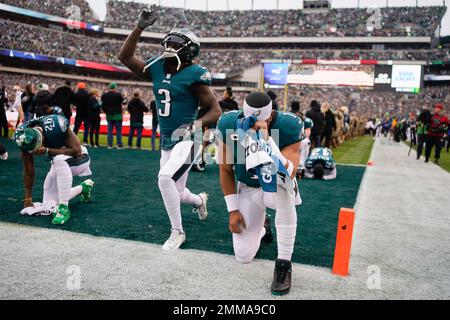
268 237
281 284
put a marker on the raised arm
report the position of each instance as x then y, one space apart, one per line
209 102
127 53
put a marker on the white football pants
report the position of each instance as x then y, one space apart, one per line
252 205
58 183
172 179
305 147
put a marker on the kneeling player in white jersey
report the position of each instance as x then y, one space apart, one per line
180 87
278 137
51 136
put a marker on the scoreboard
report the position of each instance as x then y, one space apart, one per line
399 78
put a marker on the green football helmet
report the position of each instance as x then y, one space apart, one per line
181 44
28 139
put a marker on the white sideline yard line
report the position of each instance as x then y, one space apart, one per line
402 225
351 165
407 239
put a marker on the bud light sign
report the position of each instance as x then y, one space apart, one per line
276 73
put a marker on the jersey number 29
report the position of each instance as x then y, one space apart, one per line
166 102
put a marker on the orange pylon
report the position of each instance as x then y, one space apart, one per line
343 242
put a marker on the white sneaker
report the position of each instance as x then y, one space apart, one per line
202 211
175 240
4 156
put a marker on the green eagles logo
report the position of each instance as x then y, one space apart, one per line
62 123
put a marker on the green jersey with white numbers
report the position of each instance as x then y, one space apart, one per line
54 130
321 155
285 129
176 104
309 124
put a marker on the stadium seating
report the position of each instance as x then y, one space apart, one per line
60 8
234 60
259 23
53 42
420 21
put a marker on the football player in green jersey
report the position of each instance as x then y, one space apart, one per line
247 202
306 146
51 136
321 165
180 87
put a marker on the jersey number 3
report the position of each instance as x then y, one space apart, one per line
166 102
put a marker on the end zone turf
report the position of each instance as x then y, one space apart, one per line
127 204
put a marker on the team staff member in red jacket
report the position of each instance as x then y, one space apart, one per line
437 129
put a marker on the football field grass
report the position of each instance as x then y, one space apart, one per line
145 143
354 151
127 203
444 161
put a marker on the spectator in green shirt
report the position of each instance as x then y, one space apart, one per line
422 130
136 108
112 105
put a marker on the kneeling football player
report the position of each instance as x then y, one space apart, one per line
51 136
305 146
251 142
321 165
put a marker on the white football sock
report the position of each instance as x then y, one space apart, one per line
74 192
50 187
188 197
304 151
263 233
63 180
285 222
171 198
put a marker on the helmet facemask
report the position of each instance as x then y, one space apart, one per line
174 46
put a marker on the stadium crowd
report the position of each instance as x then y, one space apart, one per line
60 8
361 101
399 21
361 105
264 23
54 42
